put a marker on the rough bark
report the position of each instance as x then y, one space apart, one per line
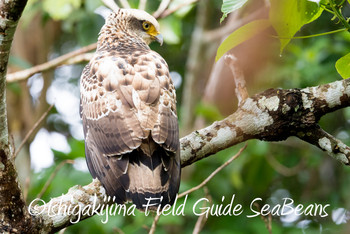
275 115
10 12
13 211
14 217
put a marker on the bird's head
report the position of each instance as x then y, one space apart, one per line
133 21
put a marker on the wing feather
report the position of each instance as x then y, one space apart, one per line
123 105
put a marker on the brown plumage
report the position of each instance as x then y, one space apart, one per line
128 108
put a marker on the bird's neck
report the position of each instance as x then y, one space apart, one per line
117 38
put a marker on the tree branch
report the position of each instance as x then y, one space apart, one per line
25 74
111 4
124 3
161 8
142 4
238 76
273 115
172 10
31 131
194 70
10 12
202 218
52 217
13 211
217 170
232 25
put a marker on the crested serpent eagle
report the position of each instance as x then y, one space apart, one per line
128 108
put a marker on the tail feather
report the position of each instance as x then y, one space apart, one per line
100 167
150 180
138 176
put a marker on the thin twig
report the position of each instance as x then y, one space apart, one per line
25 74
161 8
170 11
142 4
199 221
238 76
232 25
194 69
154 224
12 143
124 3
111 4
26 188
283 170
79 59
267 220
62 231
118 230
213 173
217 72
43 116
156 219
203 218
52 176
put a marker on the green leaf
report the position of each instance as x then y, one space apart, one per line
61 9
288 16
240 35
316 15
230 5
343 66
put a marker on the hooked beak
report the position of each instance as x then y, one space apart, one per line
159 38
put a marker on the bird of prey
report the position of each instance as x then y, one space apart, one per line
128 108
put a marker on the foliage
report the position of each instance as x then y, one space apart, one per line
287 17
61 9
343 66
229 6
240 35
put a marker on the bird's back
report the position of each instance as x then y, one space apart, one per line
128 107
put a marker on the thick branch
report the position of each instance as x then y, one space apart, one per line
326 142
272 115
10 12
53 216
13 212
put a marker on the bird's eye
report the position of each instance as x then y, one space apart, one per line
146 25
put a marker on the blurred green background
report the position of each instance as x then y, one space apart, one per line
270 171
